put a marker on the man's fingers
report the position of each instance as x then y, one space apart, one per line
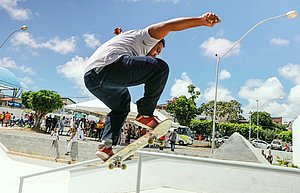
212 18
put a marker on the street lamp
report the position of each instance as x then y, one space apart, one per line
257 114
257 117
22 28
289 15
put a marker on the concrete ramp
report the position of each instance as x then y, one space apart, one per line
12 170
237 148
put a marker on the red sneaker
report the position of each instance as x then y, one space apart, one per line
104 151
147 122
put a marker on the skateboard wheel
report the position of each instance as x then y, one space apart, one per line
124 166
150 141
111 166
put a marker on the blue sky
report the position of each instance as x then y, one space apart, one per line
62 34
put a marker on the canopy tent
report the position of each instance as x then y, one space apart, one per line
98 107
8 81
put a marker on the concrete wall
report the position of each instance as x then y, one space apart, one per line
296 141
37 145
185 176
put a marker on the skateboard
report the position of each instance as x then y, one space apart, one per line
117 160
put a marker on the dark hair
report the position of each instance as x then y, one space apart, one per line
163 42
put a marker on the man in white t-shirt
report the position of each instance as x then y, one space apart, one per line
129 59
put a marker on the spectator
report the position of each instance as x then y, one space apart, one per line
263 153
6 118
270 157
54 122
54 143
71 140
2 118
49 124
62 125
80 129
173 138
30 119
99 129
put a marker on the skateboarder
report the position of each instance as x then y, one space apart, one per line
129 59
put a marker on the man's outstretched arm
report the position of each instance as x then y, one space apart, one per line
160 30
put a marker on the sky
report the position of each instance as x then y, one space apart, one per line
262 72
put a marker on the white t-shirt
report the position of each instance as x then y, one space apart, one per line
131 43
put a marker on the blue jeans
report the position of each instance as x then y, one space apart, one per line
111 84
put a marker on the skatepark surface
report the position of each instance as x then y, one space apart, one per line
160 173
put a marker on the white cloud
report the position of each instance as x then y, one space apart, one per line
56 44
265 95
291 72
218 46
14 11
180 86
222 95
224 74
25 81
279 42
74 71
91 41
262 90
294 95
6 62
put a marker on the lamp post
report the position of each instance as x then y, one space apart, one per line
257 114
249 135
22 28
257 117
289 15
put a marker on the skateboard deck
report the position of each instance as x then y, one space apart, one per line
117 159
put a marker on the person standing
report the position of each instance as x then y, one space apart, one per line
2 115
263 153
62 125
80 129
270 157
55 138
71 140
129 59
173 138
99 129
48 124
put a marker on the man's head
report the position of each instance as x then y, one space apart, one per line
155 51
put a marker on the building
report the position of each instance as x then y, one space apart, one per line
277 120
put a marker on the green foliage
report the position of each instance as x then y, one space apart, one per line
225 129
201 126
226 111
264 119
286 136
184 109
42 102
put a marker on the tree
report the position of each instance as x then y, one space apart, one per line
226 111
184 109
42 102
264 119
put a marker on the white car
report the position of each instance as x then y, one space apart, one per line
260 144
276 145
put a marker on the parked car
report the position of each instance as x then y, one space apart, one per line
260 144
275 144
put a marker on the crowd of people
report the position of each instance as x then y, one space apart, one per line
8 119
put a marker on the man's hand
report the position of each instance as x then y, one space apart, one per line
210 19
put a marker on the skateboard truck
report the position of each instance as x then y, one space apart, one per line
117 162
